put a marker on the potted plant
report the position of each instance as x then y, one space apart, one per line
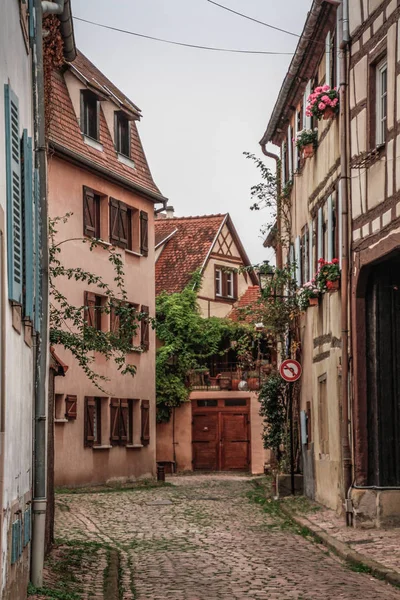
308 295
323 103
307 142
328 275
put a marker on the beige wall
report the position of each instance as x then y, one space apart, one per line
75 464
183 433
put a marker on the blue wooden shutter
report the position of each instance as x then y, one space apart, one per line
14 212
37 251
28 225
16 549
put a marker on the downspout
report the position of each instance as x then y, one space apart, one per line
344 185
51 8
275 157
40 443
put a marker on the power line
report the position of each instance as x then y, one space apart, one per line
149 37
252 19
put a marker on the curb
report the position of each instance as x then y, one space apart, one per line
344 550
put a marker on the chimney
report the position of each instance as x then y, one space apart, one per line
170 212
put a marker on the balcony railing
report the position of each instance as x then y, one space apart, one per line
228 376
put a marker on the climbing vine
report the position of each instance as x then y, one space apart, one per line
53 58
70 325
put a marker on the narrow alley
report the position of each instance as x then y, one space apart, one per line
198 537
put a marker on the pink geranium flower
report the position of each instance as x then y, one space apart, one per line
325 88
326 99
321 106
318 90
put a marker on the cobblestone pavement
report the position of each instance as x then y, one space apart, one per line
203 539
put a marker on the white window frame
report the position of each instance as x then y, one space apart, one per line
230 292
380 102
218 283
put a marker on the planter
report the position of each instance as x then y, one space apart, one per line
213 381
253 383
313 302
333 286
308 151
329 113
235 384
225 383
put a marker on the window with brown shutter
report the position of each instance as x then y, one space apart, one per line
71 407
145 428
124 422
145 328
93 310
144 233
89 433
121 224
115 421
91 213
114 221
125 325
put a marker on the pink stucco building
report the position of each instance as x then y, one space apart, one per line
99 173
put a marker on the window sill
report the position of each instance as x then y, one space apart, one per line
61 421
225 299
131 446
92 143
105 447
125 160
133 253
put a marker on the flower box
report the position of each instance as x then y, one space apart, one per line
329 113
313 301
308 151
323 103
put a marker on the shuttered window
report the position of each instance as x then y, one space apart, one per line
14 198
145 425
145 328
225 283
91 213
71 407
122 134
93 310
90 113
120 224
16 541
144 233
119 421
27 194
125 324
92 422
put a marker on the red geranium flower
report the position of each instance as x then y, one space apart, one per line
329 285
335 261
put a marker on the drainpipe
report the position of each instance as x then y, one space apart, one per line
275 157
344 183
52 8
40 443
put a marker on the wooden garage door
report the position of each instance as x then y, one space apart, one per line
205 439
234 441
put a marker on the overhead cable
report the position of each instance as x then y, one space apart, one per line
175 43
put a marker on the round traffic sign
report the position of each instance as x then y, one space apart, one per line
290 370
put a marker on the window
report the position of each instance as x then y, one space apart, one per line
91 213
381 102
145 329
119 421
65 407
124 227
122 134
225 283
125 324
90 114
94 310
323 415
92 421
145 422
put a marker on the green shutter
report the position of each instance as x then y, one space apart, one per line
16 549
37 250
28 225
14 212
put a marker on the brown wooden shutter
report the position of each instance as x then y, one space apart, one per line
114 421
123 225
90 407
145 329
144 233
114 221
114 320
145 413
71 407
124 422
90 309
89 213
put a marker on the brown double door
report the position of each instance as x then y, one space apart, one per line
220 436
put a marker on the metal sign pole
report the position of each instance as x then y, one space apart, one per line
291 437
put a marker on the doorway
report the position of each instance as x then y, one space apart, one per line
221 434
383 373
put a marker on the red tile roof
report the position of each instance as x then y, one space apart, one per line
247 308
64 130
185 252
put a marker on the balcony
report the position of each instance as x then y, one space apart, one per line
228 377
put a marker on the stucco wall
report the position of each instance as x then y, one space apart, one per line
75 464
17 368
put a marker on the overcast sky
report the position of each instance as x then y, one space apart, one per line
201 109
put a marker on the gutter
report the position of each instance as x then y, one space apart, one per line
275 157
281 103
82 161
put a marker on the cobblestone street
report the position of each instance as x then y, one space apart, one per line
201 538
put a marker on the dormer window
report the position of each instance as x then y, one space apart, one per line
90 114
122 134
